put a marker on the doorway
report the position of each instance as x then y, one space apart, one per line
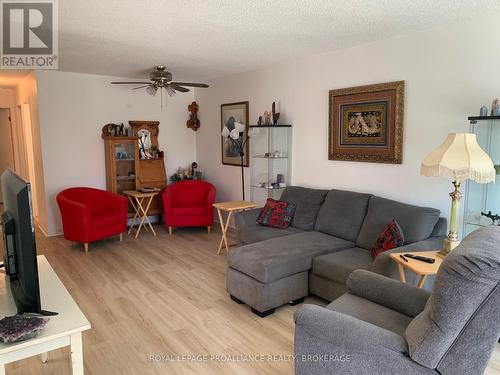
6 143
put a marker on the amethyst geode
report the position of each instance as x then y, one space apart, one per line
20 327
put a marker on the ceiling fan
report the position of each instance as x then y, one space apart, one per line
161 78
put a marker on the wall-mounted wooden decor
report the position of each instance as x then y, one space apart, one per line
193 122
366 123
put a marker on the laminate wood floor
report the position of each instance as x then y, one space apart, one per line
163 296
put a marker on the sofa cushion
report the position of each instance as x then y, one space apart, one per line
390 238
189 211
257 233
276 258
308 203
339 265
276 214
371 312
417 222
342 214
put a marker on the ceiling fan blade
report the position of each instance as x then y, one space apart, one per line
191 84
178 88
130 83
141 87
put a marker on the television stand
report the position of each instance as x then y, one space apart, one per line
48 313
64 329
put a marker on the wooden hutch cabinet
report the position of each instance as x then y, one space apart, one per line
134 162
150 168
121 154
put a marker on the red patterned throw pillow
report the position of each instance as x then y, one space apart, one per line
277 214
391 237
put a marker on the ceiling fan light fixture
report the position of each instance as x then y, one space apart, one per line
170 90
161 78
151 90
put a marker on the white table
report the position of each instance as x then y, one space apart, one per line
62 330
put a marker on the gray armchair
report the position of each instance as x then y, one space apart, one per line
382 326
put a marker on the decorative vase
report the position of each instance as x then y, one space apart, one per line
495 106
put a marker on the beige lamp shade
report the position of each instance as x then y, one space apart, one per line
459 158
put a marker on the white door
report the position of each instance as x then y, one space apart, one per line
6 147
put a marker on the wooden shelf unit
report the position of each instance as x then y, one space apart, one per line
125 170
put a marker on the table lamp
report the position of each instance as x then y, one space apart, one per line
459 158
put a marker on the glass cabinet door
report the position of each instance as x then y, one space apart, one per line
125 166
484 199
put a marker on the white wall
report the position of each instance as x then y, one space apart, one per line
450 72
74 107
30 147
6 149
7 129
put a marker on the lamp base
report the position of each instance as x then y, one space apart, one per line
448 246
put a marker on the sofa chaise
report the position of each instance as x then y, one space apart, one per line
331 235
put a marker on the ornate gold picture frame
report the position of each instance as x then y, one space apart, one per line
366 123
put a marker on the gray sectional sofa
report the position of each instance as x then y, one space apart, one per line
331 235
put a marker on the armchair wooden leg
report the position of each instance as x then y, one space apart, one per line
121 237
209 229
170 230
86 247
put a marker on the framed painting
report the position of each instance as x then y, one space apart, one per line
366 123
231 113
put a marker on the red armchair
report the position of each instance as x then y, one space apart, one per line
90 214
189 204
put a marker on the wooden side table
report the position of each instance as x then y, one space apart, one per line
416 266
229 207
140 202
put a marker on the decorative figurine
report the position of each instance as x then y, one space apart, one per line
483 111
110 130
276 111
495 107
260 122
194 166
267 118
193 122
121 132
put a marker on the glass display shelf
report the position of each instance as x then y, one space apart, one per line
268 187
483 198
269 157
270 152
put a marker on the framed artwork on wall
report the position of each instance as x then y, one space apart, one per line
366 123
231 114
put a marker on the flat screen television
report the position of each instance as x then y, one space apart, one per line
19 243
